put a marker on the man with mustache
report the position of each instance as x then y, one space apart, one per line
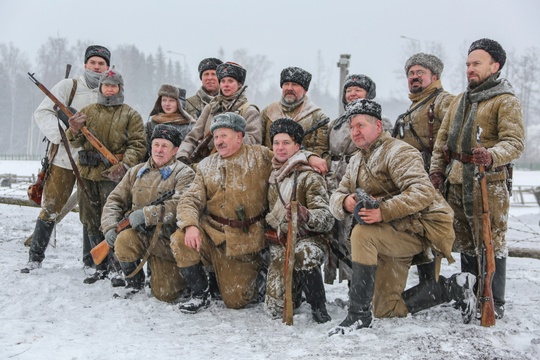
490 104
221 217
420 124
296 105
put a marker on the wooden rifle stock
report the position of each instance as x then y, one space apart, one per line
288 267
113 160
488 307
101 250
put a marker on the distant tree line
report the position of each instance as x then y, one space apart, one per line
145 73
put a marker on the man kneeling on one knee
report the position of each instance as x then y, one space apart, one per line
410 218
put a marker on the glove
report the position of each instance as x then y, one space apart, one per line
481 156
116 172
136 219
76 123
437 179
303 214
110 237
63 117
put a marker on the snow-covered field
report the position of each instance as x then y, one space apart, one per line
51 314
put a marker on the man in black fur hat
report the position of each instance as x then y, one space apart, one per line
296 105
490 111
209 88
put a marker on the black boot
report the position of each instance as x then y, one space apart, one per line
469 264
499 286
134 284
87 246
315 295
424 295
213 286
426 272
197 281
460 288
102 270
40 240
361 293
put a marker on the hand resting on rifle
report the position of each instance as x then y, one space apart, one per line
76 123
481 156
303 213
136 219
369 216
110 237
193 237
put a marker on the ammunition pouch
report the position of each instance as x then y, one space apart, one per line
89 158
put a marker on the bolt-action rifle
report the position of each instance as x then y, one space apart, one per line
101 250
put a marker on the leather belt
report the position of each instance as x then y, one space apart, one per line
238 224
466 158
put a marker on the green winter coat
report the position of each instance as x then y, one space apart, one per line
119 128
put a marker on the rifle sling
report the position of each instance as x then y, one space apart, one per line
153 243
425 101
73 164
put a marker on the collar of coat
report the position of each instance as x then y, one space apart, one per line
166 170
434 86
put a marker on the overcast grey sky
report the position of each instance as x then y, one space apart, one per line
290 33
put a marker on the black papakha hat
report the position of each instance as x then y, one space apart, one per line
492 47
364 106
231 69
208 64
167 132
295 75
287 126
98 50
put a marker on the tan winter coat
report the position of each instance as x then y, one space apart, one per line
119 128
419 118
503 134
393 172
306 114
220 186
202 127
139 187
196 103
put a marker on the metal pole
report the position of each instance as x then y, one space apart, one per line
343 65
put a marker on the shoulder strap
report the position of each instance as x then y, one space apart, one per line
73 91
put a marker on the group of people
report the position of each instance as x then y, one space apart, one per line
206 186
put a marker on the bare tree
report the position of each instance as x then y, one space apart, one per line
258 67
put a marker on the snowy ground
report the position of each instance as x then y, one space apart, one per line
50 313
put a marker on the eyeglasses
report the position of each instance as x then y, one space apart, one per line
418 73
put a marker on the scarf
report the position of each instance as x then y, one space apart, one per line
281 174
204 96
490 88
92 78
176 119
223 104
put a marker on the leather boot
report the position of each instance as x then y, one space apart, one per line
213 286
40 240
470 264
460 288
499 286
102 270
87 246
197 281
426 272
361 292
424 295
136 282
313 286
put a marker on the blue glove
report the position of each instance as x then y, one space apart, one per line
110 237
136 218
